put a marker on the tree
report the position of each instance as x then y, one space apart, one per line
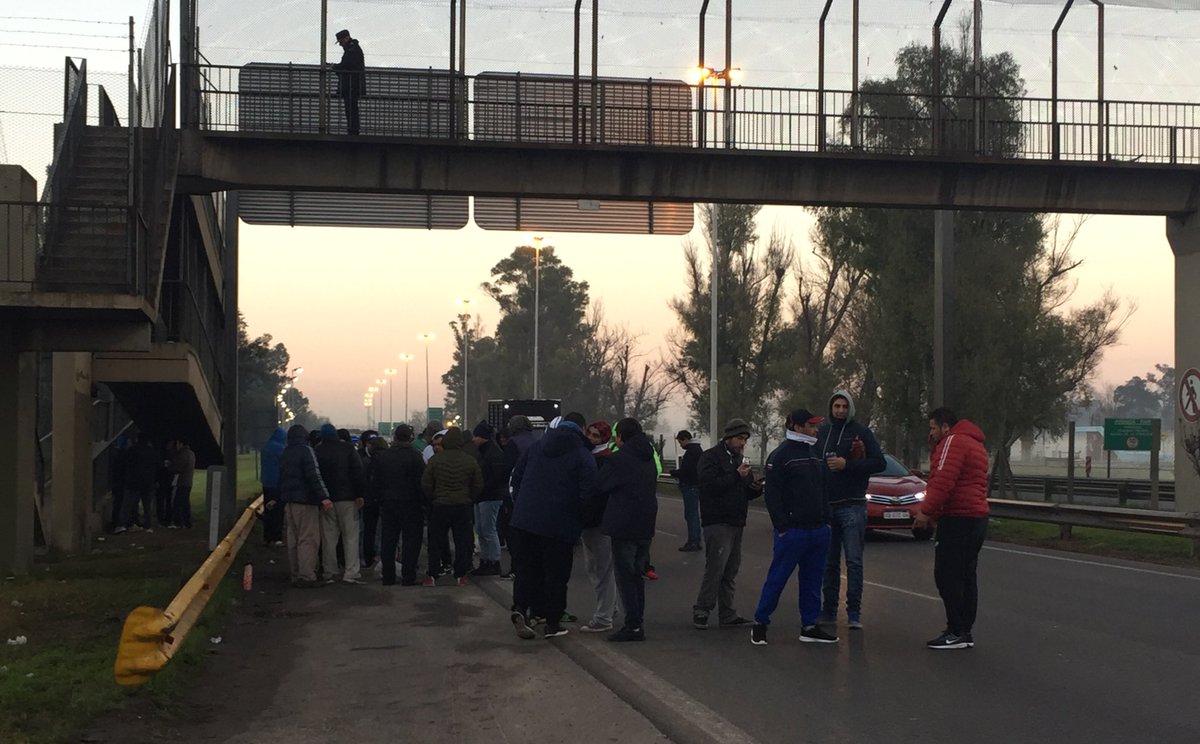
262 373
750 321
1152 396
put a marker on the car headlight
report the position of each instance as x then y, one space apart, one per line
919 495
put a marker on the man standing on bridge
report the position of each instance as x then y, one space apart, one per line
352 80
956 499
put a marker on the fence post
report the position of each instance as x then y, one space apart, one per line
1122 494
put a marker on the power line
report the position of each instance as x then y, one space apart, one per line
62 46
60 33
62 20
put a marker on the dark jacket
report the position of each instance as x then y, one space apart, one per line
795 488
341 468
591 514
724 495
141 466
271 452
299 476
394 475
517 445
550 483
856 443
958 474
629 482
452 477
495 469
351 71
686 472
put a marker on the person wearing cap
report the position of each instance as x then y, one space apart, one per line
956 501
352 78
852 455
727 485
394 475
487 506
799 507
686 475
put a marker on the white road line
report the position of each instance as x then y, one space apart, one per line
670 696
664 532
903 591
1064 559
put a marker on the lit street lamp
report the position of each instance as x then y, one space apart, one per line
406 358
391 371
426 338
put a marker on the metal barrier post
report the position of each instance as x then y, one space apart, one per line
212 495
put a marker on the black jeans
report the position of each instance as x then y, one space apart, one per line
543 567
350 103
630 558
181 513
370 522
272 518
401 523
959 540
459 520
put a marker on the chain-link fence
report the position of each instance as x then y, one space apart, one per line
31 103
1148 52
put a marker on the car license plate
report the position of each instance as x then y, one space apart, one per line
902 514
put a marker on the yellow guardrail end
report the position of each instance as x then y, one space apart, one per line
139 653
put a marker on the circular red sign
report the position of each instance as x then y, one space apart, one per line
1189 395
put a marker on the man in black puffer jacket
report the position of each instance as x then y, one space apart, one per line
629 480
799 509
342 471
304 495
394 475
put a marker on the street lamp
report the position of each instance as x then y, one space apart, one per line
465 318
731 75
406 358
391 371
369 405
537 301
426 338
371 392
382 383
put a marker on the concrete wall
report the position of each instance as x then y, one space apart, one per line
70 502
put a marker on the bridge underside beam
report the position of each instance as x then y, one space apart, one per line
214 161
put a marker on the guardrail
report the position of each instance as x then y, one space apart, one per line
1105 517
151 637
1123 490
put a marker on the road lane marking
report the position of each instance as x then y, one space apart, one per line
902 591
664 532
1064 559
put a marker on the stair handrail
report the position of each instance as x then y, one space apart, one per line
70 134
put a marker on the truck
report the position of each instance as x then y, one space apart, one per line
540 411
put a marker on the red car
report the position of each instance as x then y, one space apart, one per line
894 496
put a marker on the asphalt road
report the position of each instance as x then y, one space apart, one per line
1068 649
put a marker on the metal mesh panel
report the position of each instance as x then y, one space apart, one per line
583 215
352 210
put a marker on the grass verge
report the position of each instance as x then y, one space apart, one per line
71 612
1161 549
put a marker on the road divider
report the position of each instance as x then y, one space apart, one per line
151 637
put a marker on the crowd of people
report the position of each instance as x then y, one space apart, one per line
595 486
158 482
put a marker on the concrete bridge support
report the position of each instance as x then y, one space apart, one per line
18 487
1184 237
71 485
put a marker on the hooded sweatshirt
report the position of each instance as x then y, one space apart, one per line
551 482
341 467
299 477
452 477
855 442
958 478
271 452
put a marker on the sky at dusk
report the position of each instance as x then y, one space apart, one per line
346 301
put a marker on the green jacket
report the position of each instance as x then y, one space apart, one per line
452 477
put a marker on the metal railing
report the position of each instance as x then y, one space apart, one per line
1052 488
1104 517
670 113
70 134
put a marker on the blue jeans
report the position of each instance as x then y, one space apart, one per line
849 523
796 548
691 512
487 515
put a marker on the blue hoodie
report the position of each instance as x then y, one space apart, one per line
271 452
550 483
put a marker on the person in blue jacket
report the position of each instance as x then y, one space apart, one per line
272 516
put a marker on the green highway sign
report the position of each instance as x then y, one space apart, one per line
1129 434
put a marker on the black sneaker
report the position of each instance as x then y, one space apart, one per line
948 640
970 639
628 634
814 634
522 626
554 630
736 622
690 547
758 634
700 620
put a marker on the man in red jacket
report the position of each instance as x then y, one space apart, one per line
956 500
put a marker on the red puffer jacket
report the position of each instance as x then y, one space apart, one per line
958 480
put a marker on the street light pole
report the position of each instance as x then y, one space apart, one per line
712 343
537 302
465 318
426 338
406 358
391 372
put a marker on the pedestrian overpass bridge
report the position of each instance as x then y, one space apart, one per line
125 269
